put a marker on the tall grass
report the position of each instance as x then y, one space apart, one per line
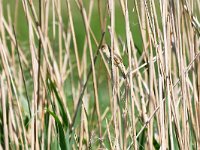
60 90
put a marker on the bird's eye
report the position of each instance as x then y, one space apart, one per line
103 47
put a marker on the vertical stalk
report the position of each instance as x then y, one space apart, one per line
128 32
38 78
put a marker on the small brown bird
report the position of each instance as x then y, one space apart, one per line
117 59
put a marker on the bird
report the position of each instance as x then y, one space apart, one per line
118 62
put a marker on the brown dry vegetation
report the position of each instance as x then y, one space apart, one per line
58 90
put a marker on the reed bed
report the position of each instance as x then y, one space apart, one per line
100 74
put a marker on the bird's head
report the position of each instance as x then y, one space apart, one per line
105 50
